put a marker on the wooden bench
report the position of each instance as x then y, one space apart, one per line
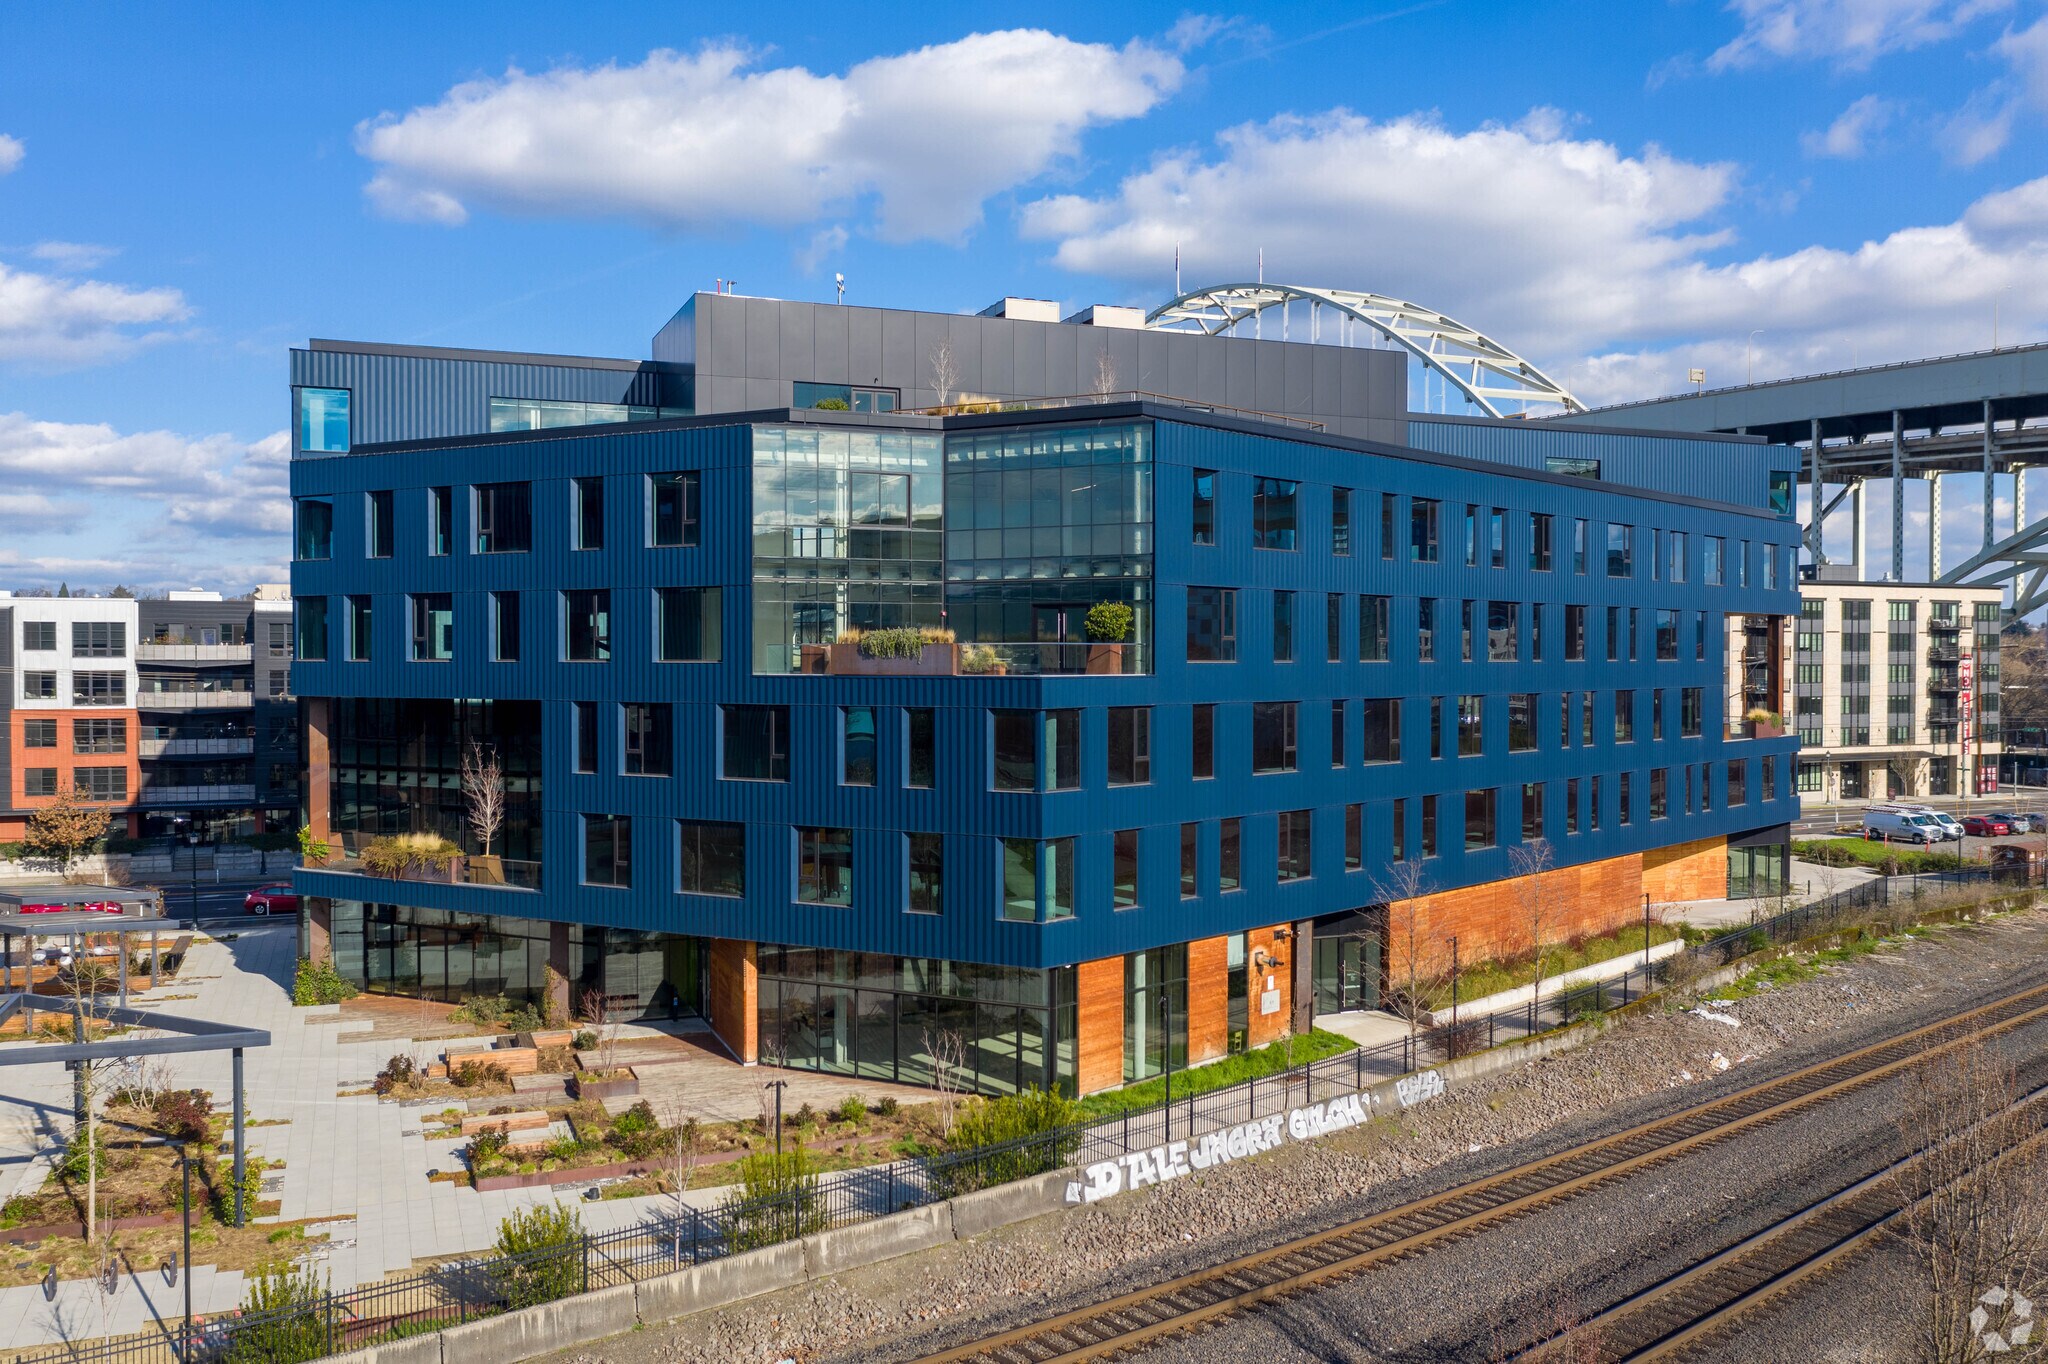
511 1122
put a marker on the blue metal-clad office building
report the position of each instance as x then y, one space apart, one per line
848 684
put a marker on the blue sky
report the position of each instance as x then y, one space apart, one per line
1621 191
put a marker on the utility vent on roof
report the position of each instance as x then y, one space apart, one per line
1023 310
1108 315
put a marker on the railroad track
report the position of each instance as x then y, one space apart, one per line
1192 1302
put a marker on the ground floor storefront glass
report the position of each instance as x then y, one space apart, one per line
1345 963
882 1017
1758 872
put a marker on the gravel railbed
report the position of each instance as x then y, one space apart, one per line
1638 1069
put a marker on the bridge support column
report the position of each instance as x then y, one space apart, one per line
1816 517
1990 487
1859 548
1898 498
1934 527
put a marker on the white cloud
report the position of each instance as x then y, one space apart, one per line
708 139
73 257
1979 130
2026 52
1849 33
1614 272
1848 137
11 152
52 322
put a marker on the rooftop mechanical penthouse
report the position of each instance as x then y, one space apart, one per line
854 683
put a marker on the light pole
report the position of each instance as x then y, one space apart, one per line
1166 1052
1646 940
1454 980
778 1086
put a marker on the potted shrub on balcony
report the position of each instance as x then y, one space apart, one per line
313 852
904 651
1108 624
1765 724
416 857
981 660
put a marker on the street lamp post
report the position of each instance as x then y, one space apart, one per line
1166 1052
1454 980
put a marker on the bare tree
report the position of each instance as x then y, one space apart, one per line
483 791
679 1157
1976 1214
597 1007
87 1082
65 830
945 372
1540 906
1418 963
1105 371
949 1072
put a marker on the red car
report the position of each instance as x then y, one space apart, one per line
279 898
1986 826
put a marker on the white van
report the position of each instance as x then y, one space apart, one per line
1904 824
1951 827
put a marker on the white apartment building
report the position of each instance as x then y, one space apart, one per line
1894 690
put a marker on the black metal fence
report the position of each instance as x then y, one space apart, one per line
682 1236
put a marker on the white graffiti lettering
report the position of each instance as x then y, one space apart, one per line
1420 1087
1137 1169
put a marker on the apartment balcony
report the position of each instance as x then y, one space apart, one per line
219 699
1944 627
195 748
1944 684
149 652
1052 658
504 873
197 795
1944 653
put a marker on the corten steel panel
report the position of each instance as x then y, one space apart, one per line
1493 920
1208 999
963 808
1687 871
1099 1031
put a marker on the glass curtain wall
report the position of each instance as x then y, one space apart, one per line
397 768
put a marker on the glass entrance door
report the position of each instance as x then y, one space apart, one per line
1346 973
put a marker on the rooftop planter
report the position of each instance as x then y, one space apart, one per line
618 1083
1764 724
908 652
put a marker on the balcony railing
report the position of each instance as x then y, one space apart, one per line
509 873
1944 683
195 748
198 795
1944 653
1946 627
195 700
148 651
1051 658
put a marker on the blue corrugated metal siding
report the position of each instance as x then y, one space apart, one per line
405 397
1715 470
962 805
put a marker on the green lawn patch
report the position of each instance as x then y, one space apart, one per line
1887 859
1231 1070
1484 978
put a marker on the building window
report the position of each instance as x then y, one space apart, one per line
1713 549
1333 626
1130 745
1480 815
99 639
311 614
1398 847
1532 811
1190 861
1667 636
1372 629
1203 513
1676 573
99 736
1738 782
1575 634
504 517
1621 550
1389 518
1540 531
359 633
1202 742
1770 777
101 783
1625 807
1425 530
1625 717
1273 736
1425 630
1283 627
378 534
1038 879
1536 612
1471 725
857 745
585 754
433 627
647 740
1340 520
41 733
843 397
1230 855
323 421
440 521
1586 720
672 509
608 850
1336 734
1497 538
1273 513
587 613
39 635
38 781
505 627
1296 854
1465 626
927 858
99 689
1692 707
586 511
1015 763
1436 727
315 538
1471 536
711 859
1429 826
756 746
1382 729
1502 621
1659 794
920 734
1123 863
688 624
1579 538
1522 722
1354 837
1571 806
824 866
1212 625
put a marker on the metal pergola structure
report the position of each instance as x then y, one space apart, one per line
1479 367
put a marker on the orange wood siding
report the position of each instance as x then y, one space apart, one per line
735 998
1208 999
1264 949
1687 871
1491 921
1099 1048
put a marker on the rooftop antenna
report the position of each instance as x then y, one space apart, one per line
1262 265
720 283
1176 269
839 283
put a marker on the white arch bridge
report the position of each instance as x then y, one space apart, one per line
1487 373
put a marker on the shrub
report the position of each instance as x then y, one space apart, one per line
485 1146
830 405
639 1118
979 658
399 1070
886 1106
1466 1037
1008 1122
905 641
804 1116
282 1321
480 1009
1109 621
777 1200
850 1109
224 1191
398 854
184 1114
71 1166
317 982
524 1018
313 851
543 1255
585 1040
470 1074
